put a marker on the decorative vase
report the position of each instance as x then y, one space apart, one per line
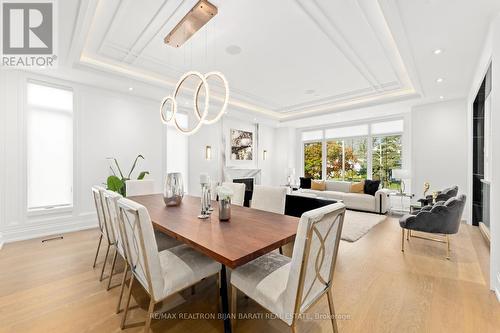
225 209
173 191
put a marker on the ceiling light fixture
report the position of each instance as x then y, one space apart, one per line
441 97
193 21
130 88
438 51
439 80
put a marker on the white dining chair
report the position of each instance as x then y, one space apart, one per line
139 187
289 287
269 198
111 212
238 189
161 274
146 187
105 228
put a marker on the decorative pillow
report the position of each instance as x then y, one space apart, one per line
305 182
358 187
318 185
371 186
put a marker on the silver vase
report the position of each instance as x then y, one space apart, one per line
173 191
225 209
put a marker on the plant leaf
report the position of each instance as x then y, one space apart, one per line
115 184
116 162
142 175
133 166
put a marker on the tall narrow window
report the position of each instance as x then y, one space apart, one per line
49 147
386 157
313 161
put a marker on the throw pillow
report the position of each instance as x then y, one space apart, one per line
358 187
305 182
318 185
371 186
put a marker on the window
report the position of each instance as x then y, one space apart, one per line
353 153
313 162
49 147
386 157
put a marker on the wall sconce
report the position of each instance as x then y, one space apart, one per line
264 155
208 153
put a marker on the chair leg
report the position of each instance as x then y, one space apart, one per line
447 247
219 308
124 278
402 240
408 235
124 318
292 328
105 260
281 250
332 311
150 313
234 300
112 269
97 252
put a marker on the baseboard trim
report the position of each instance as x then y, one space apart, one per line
36 231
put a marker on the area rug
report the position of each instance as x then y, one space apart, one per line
357 224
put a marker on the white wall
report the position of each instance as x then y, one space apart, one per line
106 124
439 146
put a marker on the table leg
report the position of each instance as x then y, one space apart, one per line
225 300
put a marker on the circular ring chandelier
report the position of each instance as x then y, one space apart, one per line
201 117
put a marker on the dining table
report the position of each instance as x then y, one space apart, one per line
247 235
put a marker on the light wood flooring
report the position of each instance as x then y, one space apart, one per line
51 287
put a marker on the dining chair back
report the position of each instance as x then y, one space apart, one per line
139 187
238 189
269 198
314 257
101 218
140 245
110 203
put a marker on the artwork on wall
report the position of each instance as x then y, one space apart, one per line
241 145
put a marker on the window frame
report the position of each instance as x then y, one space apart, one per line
52 209
369 137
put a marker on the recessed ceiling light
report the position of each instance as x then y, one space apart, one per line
233 49
441 97
438 51
42 67
309 91
439 80
130 88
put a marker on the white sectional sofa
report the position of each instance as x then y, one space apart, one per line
341 190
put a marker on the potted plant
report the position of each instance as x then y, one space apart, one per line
116 182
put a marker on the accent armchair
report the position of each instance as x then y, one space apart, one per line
442 218
443 195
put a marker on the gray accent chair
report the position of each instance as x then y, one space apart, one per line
447 193
441 218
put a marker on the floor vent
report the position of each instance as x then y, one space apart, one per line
52 239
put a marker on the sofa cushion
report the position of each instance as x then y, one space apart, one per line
359 201
371 186
338 186
318 185
305 182
358 187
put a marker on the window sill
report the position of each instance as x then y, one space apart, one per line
49 211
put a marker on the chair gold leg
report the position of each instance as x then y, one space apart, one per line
332 310
408 234
402 240
292 328
112 269
124 318
105 260
97 252
124 278
447 247
234 300
150 313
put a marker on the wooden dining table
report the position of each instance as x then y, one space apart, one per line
249 234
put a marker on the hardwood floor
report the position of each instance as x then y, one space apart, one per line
51 287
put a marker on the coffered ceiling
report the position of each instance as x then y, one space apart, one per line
286 59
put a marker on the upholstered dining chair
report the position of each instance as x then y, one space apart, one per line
289 287
139 187
269 198
161 274
443 218
238 189
105 228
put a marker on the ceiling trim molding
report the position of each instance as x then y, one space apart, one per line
111 23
